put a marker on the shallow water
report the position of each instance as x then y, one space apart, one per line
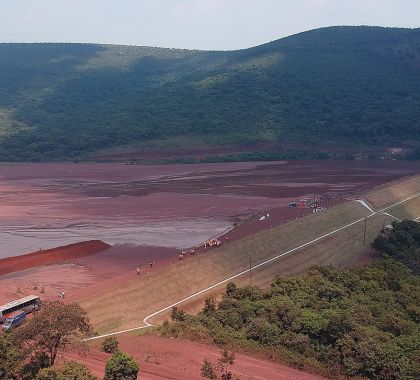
180 233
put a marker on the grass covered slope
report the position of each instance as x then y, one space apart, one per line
118 306
339 89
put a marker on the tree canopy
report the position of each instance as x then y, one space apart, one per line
401 242
121 366
328 91
69 370
11 357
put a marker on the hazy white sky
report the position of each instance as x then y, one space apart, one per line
202 24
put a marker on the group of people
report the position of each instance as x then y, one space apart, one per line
208 243
213 242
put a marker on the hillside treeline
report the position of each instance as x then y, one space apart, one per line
357 322
339 90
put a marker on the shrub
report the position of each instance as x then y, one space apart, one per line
262 331
231 318
74 371
230 288
68 370
110 345
178 315
207 370
226 360
47 374
165 328
296 342
209 305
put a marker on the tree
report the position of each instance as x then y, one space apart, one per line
11 357
110 345
121 367
207 370
57 326
402 243
360 354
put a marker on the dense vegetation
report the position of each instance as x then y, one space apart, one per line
340 89
402 243
357 322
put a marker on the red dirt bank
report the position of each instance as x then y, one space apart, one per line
51 256
162 358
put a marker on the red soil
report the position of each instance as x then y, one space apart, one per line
162 358
51 256
89 271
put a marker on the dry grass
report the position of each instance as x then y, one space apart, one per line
385 196
125 305
340 250
407 210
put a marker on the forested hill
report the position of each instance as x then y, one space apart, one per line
331 91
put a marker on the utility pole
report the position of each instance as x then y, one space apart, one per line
250 271
364 233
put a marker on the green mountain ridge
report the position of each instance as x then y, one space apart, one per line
329 91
